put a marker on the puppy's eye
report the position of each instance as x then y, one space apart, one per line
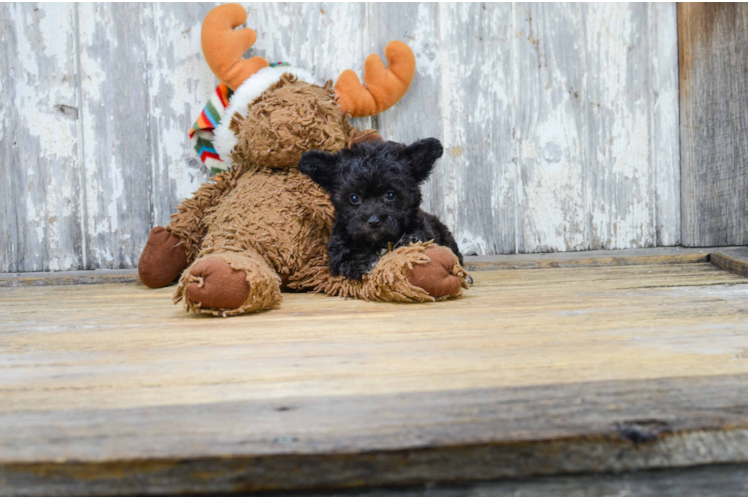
355 199
389 196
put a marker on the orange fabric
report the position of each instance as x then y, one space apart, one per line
224 47
382 87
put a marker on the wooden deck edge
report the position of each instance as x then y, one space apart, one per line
733 259
458 464
583 428
96 277
594 258
703 480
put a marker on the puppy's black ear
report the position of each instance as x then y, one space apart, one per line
321 167
422 156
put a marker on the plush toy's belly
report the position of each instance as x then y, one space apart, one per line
283 215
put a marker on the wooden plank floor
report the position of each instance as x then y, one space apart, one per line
108 388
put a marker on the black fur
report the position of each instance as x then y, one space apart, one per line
365 225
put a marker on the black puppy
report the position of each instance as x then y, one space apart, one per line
375 188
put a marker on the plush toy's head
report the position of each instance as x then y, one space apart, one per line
270 114
291 118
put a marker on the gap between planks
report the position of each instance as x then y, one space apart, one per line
732 259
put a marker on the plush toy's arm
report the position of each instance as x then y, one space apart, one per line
187 223
420 272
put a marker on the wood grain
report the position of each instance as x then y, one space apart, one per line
714 122
590 258
594 258
97 276
529 165
550 127
116 140
40 204
179 85
110 389
709 480
665 116
474 185
734 260
375 441
618 120
597 163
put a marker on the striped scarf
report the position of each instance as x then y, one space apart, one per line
201 133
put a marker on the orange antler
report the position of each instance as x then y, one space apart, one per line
223 47
382 87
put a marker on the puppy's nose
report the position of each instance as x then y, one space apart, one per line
373 221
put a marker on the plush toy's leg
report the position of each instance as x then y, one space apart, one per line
169 250
188 223
162 260
228 283
420 272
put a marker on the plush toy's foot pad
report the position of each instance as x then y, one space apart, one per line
436 276
229 283
162 260
218 286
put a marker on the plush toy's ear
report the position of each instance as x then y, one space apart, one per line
383 86
321 167
224 47
422 156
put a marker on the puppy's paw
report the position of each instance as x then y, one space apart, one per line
356 269
436 276
353 272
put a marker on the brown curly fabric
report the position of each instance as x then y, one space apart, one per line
283 215
287 120
188 223
272 224
367 135
224 296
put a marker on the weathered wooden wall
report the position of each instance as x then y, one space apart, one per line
560 121
713 43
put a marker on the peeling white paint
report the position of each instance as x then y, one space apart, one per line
559 121
425 44
471 244
40 138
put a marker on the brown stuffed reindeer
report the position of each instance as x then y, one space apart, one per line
261 226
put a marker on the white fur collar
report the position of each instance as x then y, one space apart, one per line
225 140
